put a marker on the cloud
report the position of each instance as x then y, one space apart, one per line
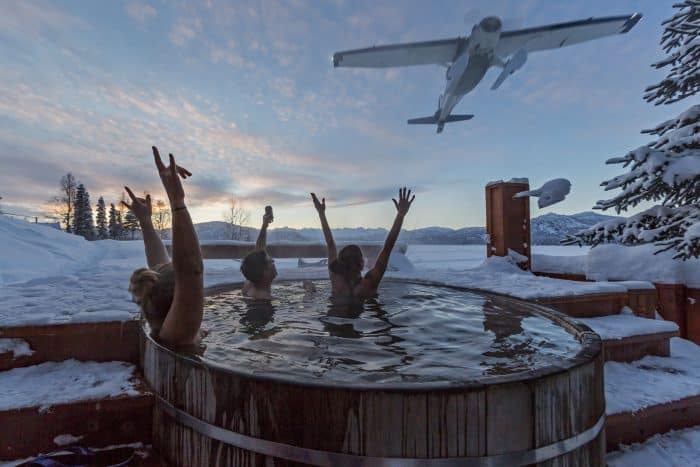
140 12
184 30
20 17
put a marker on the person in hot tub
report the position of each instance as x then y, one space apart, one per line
345 268
170 294
258 267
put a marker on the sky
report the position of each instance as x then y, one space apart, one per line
244 94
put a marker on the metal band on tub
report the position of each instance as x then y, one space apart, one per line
335 459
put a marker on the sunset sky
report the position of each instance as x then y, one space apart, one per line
245 95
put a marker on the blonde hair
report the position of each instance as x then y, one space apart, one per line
153 290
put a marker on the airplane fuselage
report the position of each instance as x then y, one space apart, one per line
470 67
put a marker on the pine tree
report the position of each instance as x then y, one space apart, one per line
82 214
121 232
131 224
681 42
668 169
101 220
113 226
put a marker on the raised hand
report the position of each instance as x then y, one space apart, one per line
141 207
170 176
404 203
267 219
319 205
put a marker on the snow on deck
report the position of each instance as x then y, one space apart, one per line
501 275
630 387
627 325
54 383
672 449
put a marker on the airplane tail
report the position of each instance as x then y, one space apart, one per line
425 120
435 119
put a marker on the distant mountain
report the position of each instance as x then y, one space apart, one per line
547 229
550 228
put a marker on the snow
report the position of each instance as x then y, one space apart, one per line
31 251
18 347
620 263
54 383
672 449
630 387
626 325
502 275
559 264
551 192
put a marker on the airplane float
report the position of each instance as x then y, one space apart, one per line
468 58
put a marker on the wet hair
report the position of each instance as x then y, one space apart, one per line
349 263
153 290
253 266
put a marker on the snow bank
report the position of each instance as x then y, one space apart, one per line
54 383
672 449
29 251
653 380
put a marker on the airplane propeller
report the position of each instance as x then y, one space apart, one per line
473 16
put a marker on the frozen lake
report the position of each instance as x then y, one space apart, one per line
470 256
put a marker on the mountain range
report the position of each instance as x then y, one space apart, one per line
547 229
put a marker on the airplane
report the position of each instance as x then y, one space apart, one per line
468 58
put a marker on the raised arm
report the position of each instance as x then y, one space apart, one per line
181 325
155 250
402 206
330 243
261 243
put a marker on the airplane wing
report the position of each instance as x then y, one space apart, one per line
413 53
558 35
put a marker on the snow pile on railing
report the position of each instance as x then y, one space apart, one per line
611 262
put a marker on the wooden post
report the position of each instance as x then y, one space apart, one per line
508 220
672 305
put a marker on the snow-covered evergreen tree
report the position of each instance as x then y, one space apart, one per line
667 169
82 214
681 42
101 220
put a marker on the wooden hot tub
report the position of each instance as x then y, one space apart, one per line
208 414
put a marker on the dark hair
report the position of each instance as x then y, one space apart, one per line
253 265
349 263
154 290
